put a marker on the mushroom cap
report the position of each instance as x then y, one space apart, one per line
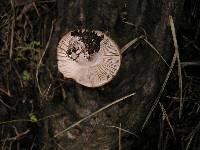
91 68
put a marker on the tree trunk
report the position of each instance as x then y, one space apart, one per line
142 71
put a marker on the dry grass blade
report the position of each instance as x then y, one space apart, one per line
12 30
59 146
129 44
132 24
197 63
167 77
192 134
165 116
161 91
156 51
124 48
40 61
94 113
27 120
120 137
124 130
14 121
179 64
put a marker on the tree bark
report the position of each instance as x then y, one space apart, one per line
142 71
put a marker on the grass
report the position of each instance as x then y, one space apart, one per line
179 64
40 61
32 118
175 57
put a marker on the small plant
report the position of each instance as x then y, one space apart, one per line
28 51
26 76
33 117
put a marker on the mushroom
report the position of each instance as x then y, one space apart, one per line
91 58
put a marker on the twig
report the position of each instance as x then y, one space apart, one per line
47 1
34 5
94 113
5 92
18 135
46 117
32 145
25 9
12 29
40 61
18 75
5 104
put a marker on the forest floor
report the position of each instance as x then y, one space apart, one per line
22 45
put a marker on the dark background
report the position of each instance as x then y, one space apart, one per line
31 114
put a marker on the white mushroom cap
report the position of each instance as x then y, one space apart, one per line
91 69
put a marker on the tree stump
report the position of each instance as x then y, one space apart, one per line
142 71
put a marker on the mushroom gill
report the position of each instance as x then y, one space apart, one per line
90 58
